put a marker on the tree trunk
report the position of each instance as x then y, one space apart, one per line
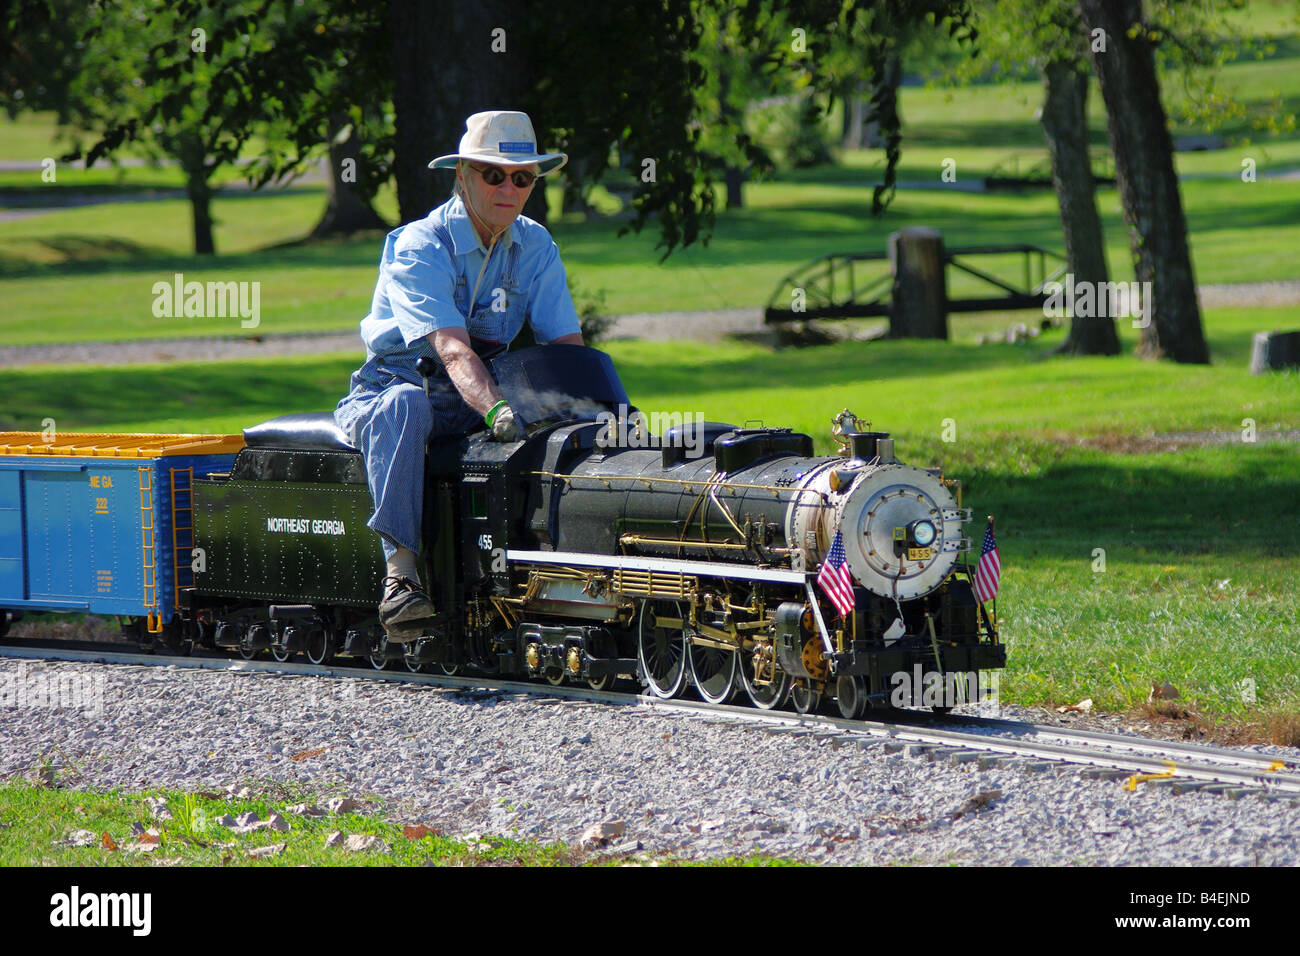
346 211
884 97
1065 124
444 69
1148 187
858 132
201 205
733 176
191 155
572 199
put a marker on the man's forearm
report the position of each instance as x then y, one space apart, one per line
465 369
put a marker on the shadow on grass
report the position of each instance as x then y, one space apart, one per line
51 195
110 395
106 396
846 363
95 255
1221 501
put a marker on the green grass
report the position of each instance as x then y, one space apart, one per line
36 822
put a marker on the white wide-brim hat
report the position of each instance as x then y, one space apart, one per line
503 137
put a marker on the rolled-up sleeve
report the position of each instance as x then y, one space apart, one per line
420 280
550 307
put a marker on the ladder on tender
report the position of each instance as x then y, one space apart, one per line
182 481
153 619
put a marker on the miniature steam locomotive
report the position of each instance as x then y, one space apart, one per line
593 550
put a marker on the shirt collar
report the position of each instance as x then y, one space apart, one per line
464 237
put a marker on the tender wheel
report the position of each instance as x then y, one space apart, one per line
851 695
767 695
320 647
379 656
137 629
248 654
202 634
414 666
661 650
451 670
282 656
714 673
803 698
175 640
554 676
607 648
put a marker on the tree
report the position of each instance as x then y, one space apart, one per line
623 86
858 46
729 67
1148 185
347 210
39 55
607 83
1065 122
1048 37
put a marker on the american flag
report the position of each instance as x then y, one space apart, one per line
835 579
989 569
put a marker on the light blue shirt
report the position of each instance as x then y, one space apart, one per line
426 274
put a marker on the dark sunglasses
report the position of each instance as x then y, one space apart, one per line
495 176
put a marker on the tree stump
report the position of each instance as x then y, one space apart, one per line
919 301
1274 350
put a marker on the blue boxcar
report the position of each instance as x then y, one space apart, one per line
101 524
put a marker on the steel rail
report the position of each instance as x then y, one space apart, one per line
1135 743
1193 763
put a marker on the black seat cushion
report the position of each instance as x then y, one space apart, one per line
304 430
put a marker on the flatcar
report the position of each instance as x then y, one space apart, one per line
589 551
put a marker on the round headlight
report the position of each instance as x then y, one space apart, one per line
923 533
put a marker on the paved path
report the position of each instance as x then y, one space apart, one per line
652 326
662 326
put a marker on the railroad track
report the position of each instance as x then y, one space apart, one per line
1136 760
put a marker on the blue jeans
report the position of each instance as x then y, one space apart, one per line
391 426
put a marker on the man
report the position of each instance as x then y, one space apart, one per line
455 286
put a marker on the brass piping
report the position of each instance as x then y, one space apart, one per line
684 482
670 542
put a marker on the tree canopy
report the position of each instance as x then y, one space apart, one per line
613 85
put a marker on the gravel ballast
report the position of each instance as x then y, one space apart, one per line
697 787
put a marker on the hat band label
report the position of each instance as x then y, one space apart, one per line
516 147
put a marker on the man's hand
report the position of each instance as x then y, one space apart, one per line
504 427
